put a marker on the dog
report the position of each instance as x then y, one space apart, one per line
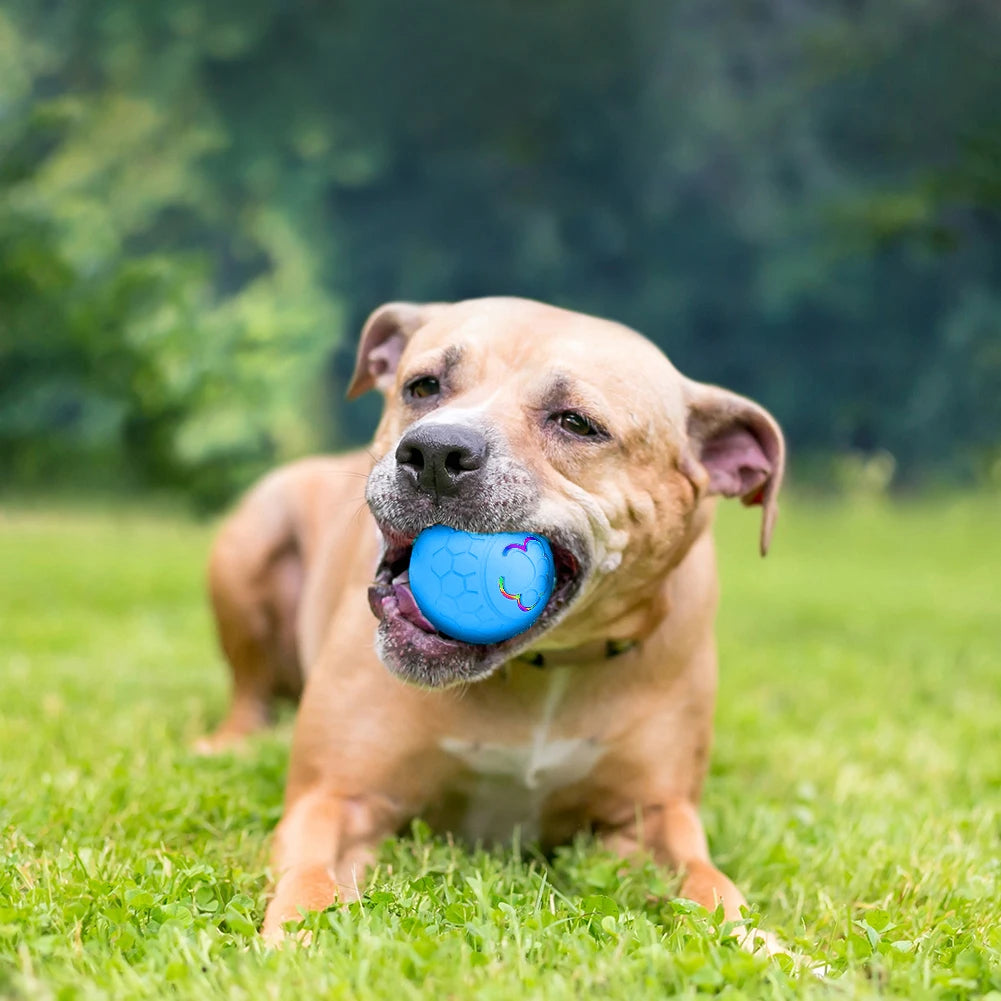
500 415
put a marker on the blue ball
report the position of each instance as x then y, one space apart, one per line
481 588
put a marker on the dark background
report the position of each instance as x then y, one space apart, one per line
200 202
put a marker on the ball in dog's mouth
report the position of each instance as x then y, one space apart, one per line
416 651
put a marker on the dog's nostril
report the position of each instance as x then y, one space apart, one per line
462 460
406 455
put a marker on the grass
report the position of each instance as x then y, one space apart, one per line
855 793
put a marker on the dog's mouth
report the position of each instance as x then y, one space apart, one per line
415 650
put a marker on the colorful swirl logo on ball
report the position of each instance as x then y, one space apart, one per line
523 547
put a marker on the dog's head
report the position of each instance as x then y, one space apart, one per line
505 415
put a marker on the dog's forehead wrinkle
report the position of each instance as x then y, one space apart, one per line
444 359
558 384
452 355
562 381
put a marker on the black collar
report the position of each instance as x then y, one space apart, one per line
599 649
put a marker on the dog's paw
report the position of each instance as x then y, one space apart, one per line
213 744
221 742
280 937
755 940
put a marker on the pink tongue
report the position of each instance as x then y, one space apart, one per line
408 606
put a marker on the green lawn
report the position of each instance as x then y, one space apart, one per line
855 793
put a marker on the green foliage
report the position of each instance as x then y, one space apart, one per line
160 321
199 203
853 790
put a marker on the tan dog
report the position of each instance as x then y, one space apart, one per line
500 415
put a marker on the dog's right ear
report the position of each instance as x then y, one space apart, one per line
383 338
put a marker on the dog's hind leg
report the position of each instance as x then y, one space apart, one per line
256 574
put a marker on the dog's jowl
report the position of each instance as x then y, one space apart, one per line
501 415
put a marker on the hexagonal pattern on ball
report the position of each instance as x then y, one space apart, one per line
481 588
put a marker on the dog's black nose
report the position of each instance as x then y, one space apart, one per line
439 456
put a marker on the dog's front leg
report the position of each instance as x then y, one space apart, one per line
323 847
673 834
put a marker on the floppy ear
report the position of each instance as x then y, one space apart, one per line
383 338
736 450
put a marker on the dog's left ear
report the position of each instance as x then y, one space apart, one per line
383 338
736 449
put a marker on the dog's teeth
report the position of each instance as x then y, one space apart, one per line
402 578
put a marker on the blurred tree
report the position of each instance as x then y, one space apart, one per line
200 202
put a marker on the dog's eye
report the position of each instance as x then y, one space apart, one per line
425 386
576 423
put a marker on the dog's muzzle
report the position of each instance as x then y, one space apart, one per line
443 473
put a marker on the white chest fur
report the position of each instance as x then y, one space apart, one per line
542 766
515 779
